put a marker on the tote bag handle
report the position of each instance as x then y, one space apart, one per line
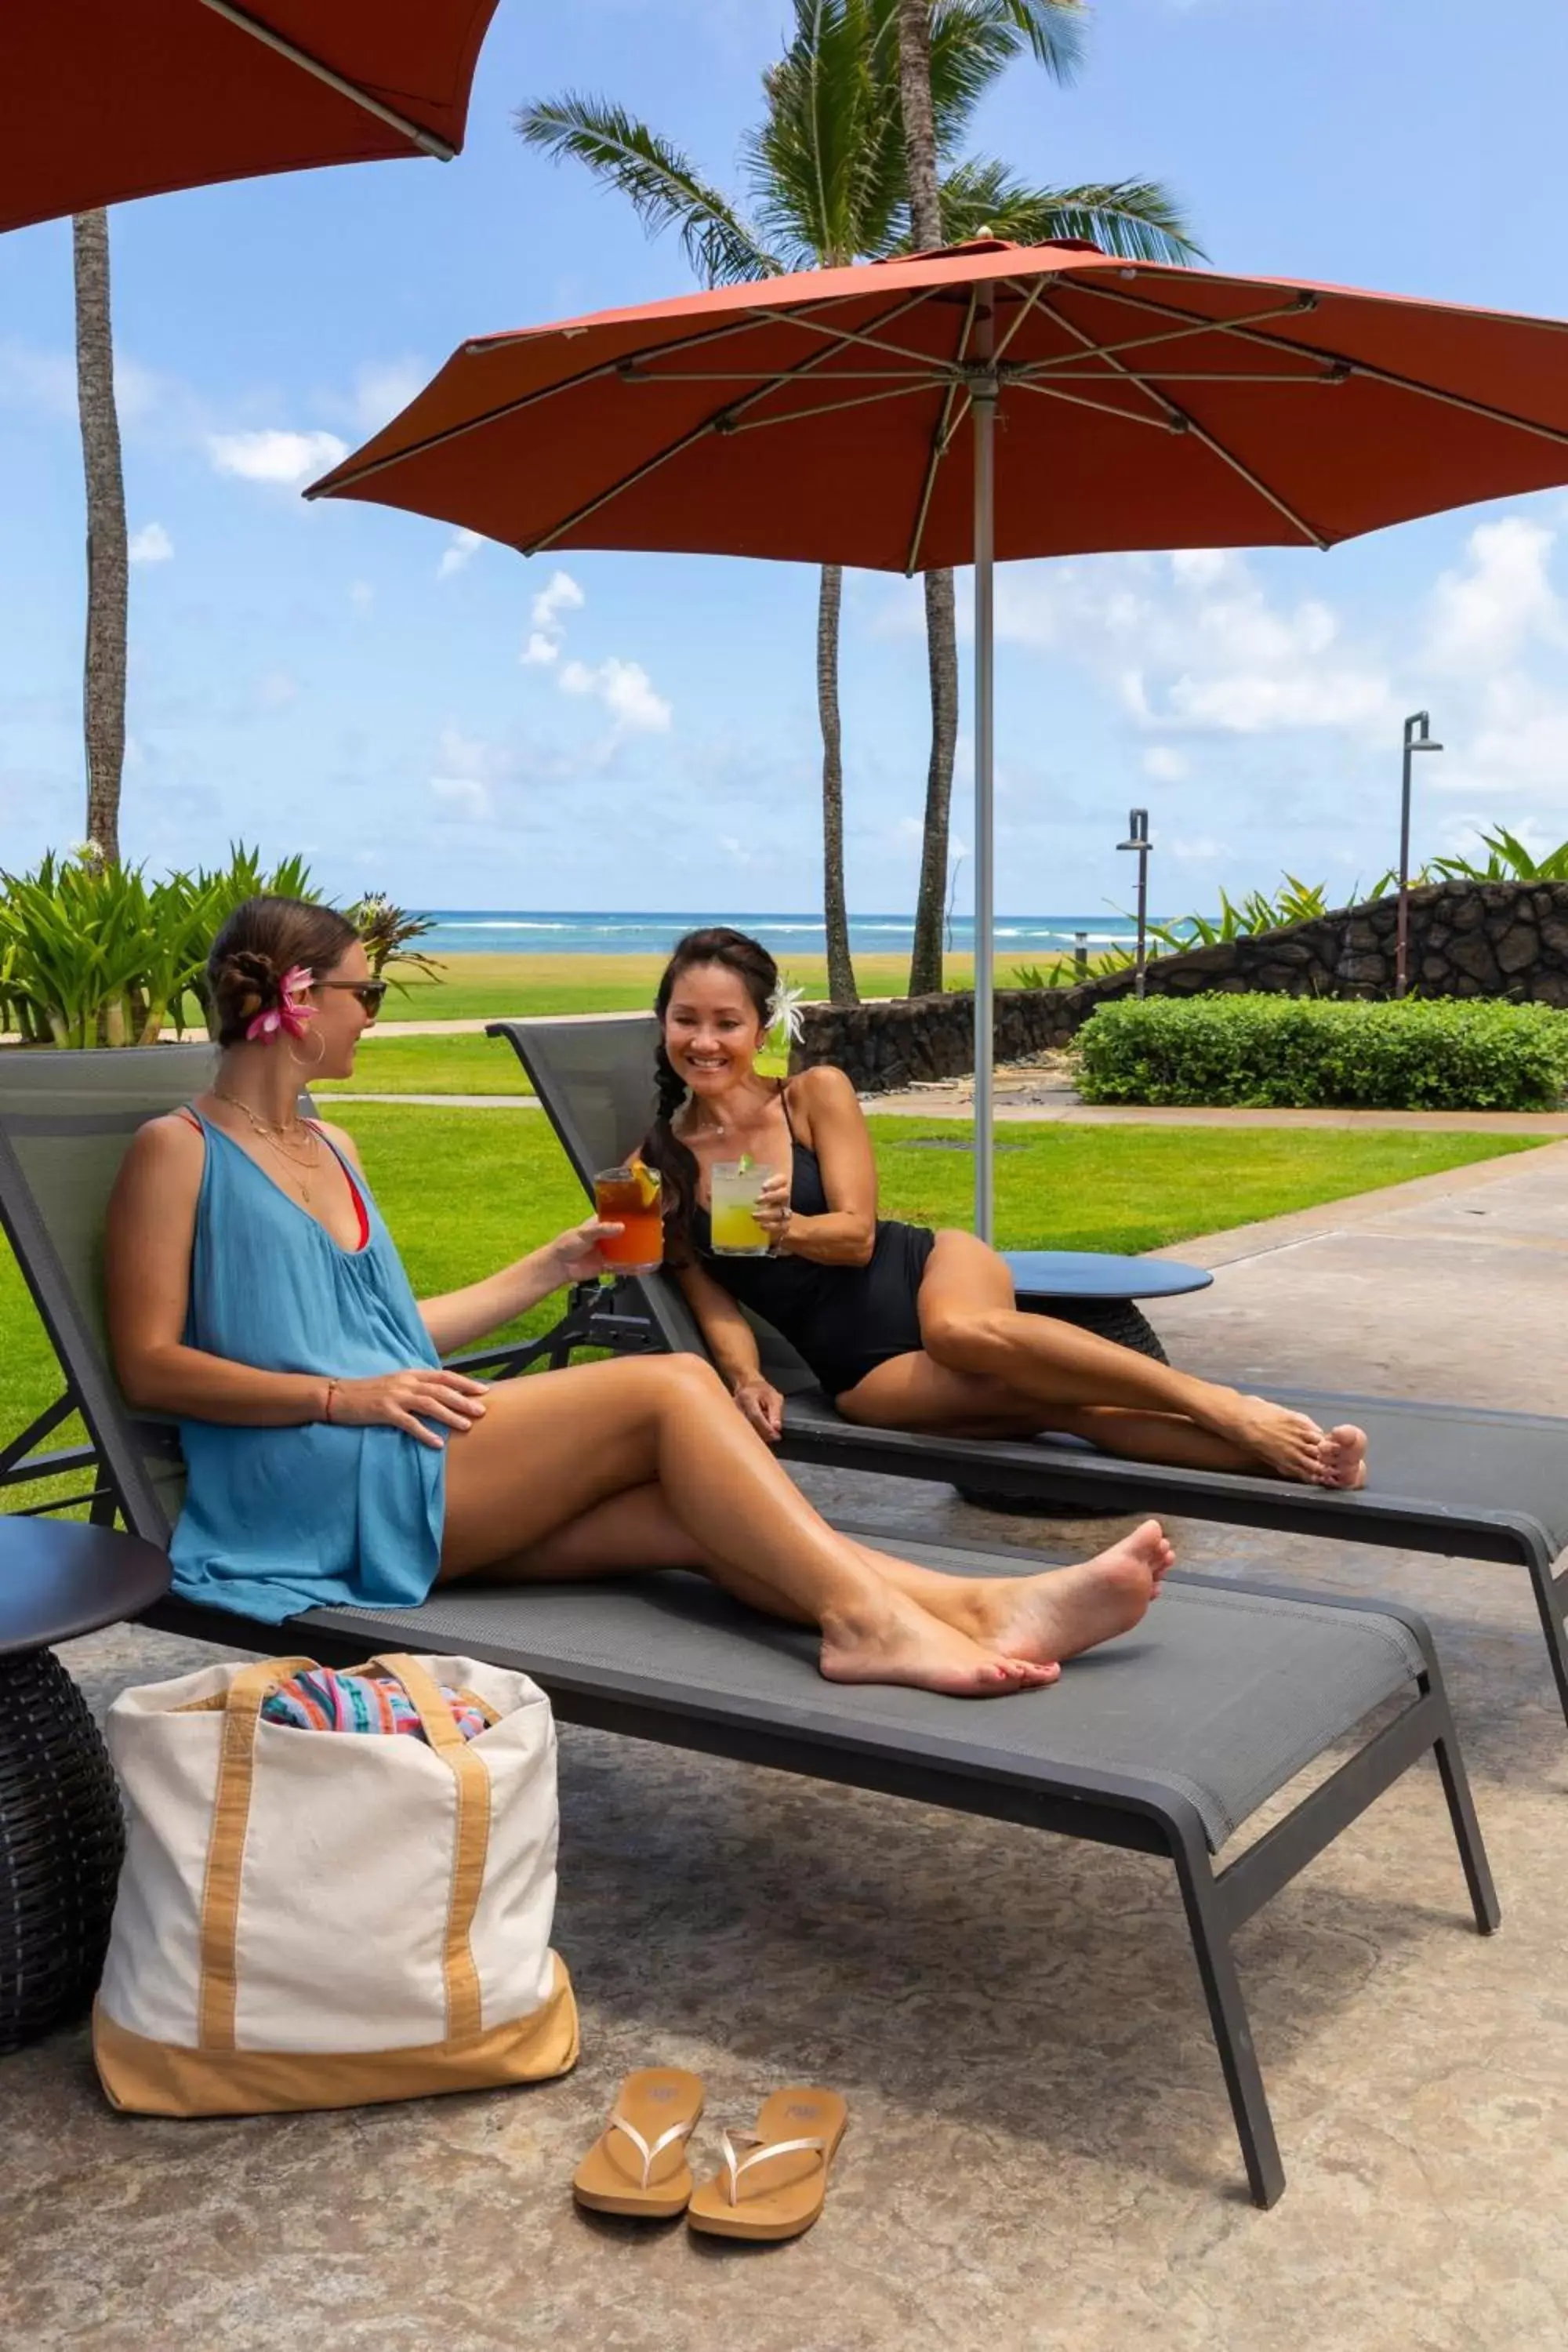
247 1694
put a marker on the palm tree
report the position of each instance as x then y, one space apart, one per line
826 183
108 572
1133 217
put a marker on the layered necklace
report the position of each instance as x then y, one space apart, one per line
271 1132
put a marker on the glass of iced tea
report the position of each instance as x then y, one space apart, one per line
633 1197
736 1232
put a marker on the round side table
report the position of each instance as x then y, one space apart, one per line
1095 1289
61 1835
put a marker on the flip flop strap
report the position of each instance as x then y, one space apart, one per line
735 2164
645 2149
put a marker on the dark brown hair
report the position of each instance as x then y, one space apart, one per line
262 940
755 968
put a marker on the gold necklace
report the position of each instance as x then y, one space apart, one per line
270 1132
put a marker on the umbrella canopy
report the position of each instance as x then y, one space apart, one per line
107 99
990 400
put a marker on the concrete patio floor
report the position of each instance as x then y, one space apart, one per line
1040 2152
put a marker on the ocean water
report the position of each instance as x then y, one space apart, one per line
501 931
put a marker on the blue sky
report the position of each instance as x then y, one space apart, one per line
357 683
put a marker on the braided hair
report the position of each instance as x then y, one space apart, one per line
755 968
262 940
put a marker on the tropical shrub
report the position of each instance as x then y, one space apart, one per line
1507 860
95 954
1302 1053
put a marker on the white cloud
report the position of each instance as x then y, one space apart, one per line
560 594
31 378
469 796
275 454
1166 765
1194 642
540 650
151 544
458 551
1484 615
626 691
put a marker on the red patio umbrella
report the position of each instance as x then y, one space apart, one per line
106 99
988 400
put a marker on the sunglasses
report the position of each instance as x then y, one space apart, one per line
370 992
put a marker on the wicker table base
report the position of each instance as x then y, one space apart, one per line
61 1836
61 1840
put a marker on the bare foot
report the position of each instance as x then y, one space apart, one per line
1065 1611
1344 1456
904 1645
1289 1444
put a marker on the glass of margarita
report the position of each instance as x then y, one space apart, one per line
736 1184
633 1197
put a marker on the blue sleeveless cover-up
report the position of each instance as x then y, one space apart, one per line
278 1520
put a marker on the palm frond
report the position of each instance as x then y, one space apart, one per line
660 184
1138 220
972 43
807 161
1055 30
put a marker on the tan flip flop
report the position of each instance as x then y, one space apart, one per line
637 2165
775 2190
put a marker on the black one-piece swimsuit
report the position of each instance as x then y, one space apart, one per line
844 1319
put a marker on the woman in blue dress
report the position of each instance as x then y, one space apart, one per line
255 1295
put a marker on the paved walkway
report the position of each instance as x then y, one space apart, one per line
1040 2156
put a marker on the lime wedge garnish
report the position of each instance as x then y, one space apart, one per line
745 1162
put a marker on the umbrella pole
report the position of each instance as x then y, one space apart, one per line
982 393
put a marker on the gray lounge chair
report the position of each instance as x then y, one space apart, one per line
1448 1479
1167 1743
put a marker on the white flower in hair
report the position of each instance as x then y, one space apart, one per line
784 1020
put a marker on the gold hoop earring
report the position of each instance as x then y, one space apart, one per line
313 1061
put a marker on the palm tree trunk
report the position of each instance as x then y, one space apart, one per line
919 122
942 636
941 654
108 577
841 985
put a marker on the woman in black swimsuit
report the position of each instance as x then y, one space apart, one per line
905 1328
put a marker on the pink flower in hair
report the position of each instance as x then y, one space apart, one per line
293 1012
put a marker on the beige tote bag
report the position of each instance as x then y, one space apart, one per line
320 1919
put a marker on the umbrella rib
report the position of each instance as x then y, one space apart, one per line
343 476
431 143
1194 325
947 424
1369 368
824 408
633 372
1182 420
720 420
1101 407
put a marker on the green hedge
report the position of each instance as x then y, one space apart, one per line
1301 1053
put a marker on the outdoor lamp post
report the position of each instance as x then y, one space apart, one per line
1138 839
1418 738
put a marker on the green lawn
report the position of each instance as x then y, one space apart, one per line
491 987
464 1063
495 987
465 1191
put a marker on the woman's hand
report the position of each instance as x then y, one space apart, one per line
773 1209
761 1404
407 1401
576 1254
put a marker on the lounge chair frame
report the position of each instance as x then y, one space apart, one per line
1075 1478
1144 1814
